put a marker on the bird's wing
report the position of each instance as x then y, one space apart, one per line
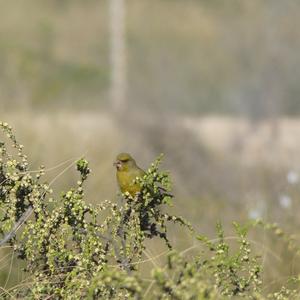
137 172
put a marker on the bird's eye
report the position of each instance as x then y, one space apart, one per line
124 160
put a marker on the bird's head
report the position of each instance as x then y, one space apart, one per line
124 162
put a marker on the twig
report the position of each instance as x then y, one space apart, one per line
17 225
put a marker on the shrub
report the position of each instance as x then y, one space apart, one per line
75 250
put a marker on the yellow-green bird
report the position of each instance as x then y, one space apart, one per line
127 172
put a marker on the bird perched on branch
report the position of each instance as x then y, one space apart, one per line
127 172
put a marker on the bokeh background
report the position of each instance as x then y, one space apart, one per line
214 85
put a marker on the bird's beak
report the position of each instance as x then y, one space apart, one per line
117 164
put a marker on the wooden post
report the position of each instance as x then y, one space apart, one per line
117 55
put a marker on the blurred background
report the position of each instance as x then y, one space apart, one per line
214 85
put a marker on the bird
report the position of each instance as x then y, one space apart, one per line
127 172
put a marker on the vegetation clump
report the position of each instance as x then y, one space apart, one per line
75 250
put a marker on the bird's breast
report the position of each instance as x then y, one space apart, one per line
126 183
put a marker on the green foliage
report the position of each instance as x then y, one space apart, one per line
75 250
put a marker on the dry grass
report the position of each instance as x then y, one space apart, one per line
251 143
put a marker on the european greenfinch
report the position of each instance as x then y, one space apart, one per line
127 172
